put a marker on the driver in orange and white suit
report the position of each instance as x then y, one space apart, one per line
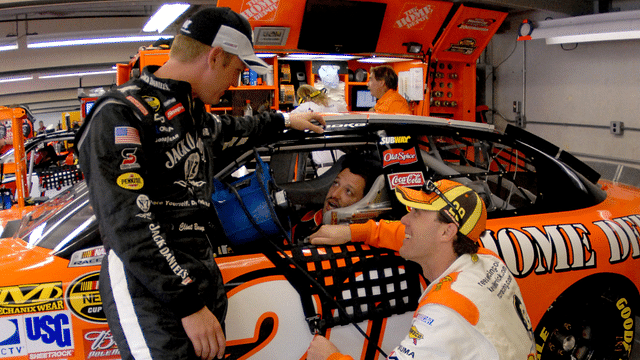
472 308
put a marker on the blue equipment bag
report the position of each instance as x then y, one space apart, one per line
249 194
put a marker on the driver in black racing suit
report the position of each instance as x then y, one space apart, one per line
146 150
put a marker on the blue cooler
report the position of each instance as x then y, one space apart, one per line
253 189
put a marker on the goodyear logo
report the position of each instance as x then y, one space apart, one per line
83 298
31 298
394 140
130 181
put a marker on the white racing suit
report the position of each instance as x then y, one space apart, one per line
473 311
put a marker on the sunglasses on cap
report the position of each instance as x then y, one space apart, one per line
430 187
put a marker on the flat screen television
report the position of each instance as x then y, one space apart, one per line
341 26
361 98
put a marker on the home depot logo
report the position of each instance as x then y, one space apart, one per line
264 10
413 16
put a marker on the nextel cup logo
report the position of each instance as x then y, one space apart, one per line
83 298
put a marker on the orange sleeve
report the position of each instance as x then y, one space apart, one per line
385 234
338 356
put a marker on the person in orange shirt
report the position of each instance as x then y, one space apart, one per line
383 84
472 308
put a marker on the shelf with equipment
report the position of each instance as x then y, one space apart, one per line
234 99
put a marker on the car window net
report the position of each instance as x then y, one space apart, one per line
367 282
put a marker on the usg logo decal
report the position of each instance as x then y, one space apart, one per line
49 335
83 298
21 299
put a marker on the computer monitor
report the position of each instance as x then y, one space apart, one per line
361 99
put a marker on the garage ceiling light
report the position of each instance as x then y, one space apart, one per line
621 25
165 16
78 73
16 78
8 45
96 38
319 57
383 59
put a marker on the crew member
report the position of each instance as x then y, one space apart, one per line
472 308
383 84
350 185
147 151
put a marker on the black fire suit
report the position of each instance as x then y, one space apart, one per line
146 150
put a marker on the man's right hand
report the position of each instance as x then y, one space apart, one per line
205 333
331 235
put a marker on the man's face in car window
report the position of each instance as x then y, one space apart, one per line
347 189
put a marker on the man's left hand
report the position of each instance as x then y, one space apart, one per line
320 348
303 121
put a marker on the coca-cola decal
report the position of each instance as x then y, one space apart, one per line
399 156
412 178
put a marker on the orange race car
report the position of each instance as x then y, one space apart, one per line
571 240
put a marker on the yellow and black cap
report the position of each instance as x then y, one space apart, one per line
455 201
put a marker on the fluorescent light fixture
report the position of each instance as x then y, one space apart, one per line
382 60
16 78
621 25
165 16
78 73
95 38
319 57
8 45
265 55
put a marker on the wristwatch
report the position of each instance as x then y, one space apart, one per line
287 119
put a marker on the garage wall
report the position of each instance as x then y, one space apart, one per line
572 93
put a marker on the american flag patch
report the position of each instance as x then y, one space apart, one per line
127 135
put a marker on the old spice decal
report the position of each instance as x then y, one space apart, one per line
413 178
399 156
413 16
264 10
563 247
